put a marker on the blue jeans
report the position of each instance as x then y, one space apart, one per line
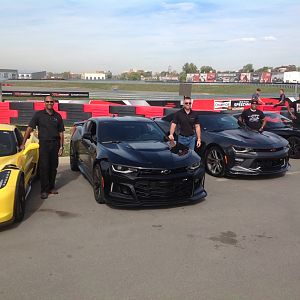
188 141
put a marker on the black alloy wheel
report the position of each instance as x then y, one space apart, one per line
19 208
294 151
98 184
73 159
215 161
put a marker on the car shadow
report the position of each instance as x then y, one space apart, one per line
256 177
160 207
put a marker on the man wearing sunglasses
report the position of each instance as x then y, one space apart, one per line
51 139
188 123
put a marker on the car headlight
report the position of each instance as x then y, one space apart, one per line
238 149
194 166
123 169
4 176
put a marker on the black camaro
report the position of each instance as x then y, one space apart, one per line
228 149
283 126
129 163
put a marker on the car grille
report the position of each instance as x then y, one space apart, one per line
269 164
269 150
158 192
146 172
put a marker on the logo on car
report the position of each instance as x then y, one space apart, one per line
165 172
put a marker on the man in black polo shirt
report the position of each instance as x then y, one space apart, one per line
188 123
253 117
51 139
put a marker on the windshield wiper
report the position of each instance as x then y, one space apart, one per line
111 142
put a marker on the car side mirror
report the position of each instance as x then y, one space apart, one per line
87 136
31 146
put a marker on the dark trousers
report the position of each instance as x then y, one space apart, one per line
48 163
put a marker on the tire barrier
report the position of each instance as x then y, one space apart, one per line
20 113
25 112
123 110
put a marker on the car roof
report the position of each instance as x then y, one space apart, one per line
121 119
7 127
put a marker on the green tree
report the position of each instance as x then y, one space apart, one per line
207 69
247 68
190 68
182 77
66 75
264 69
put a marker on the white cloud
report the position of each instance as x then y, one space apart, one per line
248 39
182 6
269 38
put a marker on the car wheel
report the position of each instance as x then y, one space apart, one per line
19 208
215 162
294 151
98 184
73 159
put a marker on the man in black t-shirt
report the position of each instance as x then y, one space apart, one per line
188 123
295 112
51 139
253 117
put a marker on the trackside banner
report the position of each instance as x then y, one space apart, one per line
43 94
230 104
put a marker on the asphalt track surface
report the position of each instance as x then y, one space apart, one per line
241 242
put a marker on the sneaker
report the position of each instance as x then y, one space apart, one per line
44 195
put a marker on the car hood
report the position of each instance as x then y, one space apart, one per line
254 139
150 154
7 160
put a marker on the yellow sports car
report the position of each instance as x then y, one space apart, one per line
17 170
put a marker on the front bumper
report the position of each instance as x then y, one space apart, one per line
259 163
154 191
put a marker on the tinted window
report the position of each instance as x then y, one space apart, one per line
7 143
129 131
218 122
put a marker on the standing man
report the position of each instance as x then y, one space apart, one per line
188 123
256 96
253 118
51 139
295 112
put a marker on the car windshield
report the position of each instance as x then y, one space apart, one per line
129 131
7 143
277 121
218 122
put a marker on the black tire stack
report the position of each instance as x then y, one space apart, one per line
75 112
25 112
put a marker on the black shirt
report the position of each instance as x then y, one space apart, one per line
49 125
295 108
253 119
186 122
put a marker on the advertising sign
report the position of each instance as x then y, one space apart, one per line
211 77
222 104
245 77
265 77
44 94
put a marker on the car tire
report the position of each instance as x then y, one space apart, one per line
73 159
19 207
215 161
98 184
294 151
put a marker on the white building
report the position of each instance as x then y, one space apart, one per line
291 77
93 76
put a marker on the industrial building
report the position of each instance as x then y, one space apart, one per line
33 75
6 74
93 76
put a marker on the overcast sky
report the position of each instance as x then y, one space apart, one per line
82 36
